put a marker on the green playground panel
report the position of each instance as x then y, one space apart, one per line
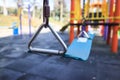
119 33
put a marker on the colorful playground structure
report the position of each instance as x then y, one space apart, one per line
90 13
79 49
97 12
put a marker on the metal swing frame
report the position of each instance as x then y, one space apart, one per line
46 15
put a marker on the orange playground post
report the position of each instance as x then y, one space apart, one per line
75 15
115 29
111 14
87 7
71 21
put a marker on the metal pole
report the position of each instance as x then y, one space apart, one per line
115 29
72 21
111 14
20 24
29 19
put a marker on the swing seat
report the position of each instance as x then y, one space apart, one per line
80 50
91 35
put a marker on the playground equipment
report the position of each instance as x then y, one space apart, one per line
15 28
20 7
20 15
81 46
105 19
79 49
46 14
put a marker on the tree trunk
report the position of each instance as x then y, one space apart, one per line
61 10
33 14
34 10
5 12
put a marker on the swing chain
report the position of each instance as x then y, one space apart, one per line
83 12
46 12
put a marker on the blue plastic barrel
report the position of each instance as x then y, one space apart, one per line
15 31
15 28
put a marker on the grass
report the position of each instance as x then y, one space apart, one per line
8 20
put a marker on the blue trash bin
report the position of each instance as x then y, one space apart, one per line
15 28
15 31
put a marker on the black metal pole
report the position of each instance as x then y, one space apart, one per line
46 12
94 24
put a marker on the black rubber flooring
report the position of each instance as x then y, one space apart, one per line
16 63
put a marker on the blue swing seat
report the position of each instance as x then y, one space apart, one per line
80 50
